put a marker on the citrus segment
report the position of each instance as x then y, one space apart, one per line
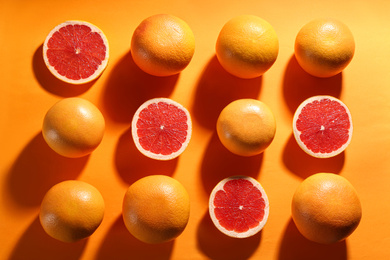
326 208
161 128
162 45
71 211
76 52
324 47
239 206
246 127
247 46
156 209
323 126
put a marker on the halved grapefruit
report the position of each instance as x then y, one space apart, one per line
161 128
76 52
322 126
239 206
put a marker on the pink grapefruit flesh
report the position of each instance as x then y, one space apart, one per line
239 206
76 52
322 126
161 128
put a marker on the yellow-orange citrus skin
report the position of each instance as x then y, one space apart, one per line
246 127
73 127
162 45
156 209
247 46
326 208
324 47
71 210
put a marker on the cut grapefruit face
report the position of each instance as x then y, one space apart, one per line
239 206
161 128
76 52
322 126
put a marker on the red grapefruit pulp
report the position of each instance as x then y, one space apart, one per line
161 128
239 206
76 52
322 126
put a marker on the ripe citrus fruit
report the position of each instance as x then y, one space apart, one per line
161 128
71 210
322 126
76 52
326 208
324 47
247 46
156 209
246 127
162 45
73 127
239 206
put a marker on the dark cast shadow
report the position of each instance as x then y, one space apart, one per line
37 169
303 165
216 89
219 163
298 85
295 246
218 246
127 87
50 83
119 244
36 244
132 165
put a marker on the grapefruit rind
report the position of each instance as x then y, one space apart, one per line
326 208
297 133
250 232
136 138
101 67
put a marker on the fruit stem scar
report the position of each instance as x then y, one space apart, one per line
322 128
77 50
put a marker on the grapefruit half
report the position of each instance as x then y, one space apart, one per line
239 206
161 128
76 52
322 126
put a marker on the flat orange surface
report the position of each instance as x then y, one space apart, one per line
28 168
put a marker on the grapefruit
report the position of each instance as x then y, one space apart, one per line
246 127
76 52
322 126
71 210
73 127
161 128
324 47
162 45
239 206
156 209
247 46
326 208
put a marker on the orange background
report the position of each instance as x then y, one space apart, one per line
28 168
